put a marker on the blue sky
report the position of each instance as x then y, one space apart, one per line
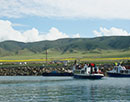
84 27
35 20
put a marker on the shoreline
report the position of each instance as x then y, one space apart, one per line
31 70
45 70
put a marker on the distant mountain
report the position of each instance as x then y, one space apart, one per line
65 45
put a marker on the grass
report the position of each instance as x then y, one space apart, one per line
91 56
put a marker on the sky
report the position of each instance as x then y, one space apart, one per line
38 20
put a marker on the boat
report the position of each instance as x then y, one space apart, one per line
87 72
119 71
55 73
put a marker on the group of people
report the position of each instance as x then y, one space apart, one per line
117 64
85 66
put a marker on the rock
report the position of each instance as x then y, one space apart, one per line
30 70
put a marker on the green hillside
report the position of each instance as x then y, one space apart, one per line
70 46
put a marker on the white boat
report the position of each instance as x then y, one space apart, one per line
87 73
119 71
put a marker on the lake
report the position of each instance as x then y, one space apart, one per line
63 89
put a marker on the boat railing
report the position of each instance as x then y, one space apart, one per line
125 71
120 69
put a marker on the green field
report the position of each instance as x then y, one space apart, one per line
85 49
82 54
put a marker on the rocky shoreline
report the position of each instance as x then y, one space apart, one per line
31 70
28 70
39 70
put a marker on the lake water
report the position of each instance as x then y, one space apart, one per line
63 89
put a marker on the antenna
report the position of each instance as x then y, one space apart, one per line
46 56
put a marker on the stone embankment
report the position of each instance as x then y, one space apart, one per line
30 71
39 70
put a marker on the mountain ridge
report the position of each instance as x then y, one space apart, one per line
65 45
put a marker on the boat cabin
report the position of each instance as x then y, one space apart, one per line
120 69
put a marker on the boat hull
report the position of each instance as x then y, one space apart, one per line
57 74
117 75
88 76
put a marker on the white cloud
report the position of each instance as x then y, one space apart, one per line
7 32
111 32
66 8
19 25
54 33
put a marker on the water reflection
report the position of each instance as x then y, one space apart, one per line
40 89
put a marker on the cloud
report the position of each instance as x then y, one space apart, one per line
54 33
7 32
111 32
66 8
19 25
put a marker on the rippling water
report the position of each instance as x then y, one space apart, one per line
63 89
